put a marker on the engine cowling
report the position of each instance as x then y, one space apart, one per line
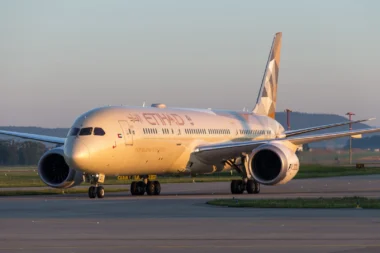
273 163
54 171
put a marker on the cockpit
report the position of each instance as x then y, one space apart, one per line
75 131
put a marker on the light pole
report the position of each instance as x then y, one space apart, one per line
350 151
288 111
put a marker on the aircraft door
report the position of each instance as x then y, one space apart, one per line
127 132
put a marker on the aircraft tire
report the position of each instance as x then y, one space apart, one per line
100 192
157 188
250 186
150 188
237 186
133 188
257 188
140 187
92 192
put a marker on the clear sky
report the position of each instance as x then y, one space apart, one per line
59 59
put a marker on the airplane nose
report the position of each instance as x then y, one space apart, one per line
78 156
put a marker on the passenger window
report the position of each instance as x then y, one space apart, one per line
99 131
86 131
73 131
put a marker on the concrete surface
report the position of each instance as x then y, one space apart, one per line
180 221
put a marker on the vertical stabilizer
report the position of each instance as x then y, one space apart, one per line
266 101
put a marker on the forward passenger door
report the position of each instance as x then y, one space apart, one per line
127 131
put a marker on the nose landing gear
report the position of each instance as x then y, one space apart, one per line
96 190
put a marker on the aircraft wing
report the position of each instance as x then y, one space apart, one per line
36 137
316 128
225 151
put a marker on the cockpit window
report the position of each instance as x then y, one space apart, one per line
73 131
99 131
86 131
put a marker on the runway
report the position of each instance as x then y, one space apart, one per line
179 220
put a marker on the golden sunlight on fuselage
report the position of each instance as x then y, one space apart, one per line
145 140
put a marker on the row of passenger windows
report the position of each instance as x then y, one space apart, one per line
86 131
204 131
150 130
210 131
255 132
99 131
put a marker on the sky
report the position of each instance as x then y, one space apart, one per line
59 59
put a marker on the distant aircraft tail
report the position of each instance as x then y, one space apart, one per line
266 100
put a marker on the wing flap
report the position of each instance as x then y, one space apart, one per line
36 137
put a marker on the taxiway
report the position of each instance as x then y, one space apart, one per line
179 220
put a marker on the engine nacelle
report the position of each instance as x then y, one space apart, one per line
54 171
272 164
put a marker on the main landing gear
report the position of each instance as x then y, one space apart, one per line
245 184
96 190
150 187
239 186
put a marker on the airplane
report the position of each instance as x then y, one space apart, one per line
157 140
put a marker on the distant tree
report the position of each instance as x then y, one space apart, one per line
372 142
21 153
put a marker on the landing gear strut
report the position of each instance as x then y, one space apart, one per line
150 187
96 190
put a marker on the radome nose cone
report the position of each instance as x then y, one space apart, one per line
78 156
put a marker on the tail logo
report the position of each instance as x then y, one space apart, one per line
266 101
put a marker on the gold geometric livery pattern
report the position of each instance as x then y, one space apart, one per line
266 101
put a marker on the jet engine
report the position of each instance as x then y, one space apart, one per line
272 164
54 171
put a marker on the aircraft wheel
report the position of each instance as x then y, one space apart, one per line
237 186
92 192
257 188
150 188
250 186
141 188
133 188
157 188
100 192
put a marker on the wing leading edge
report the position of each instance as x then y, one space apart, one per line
36 137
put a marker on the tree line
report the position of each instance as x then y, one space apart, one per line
20 153
372 142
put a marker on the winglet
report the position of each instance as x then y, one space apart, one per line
267 98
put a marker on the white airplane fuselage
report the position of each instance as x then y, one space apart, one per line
151 140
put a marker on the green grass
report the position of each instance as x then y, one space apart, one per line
28 176
348 202
54 191
328 157
315 171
